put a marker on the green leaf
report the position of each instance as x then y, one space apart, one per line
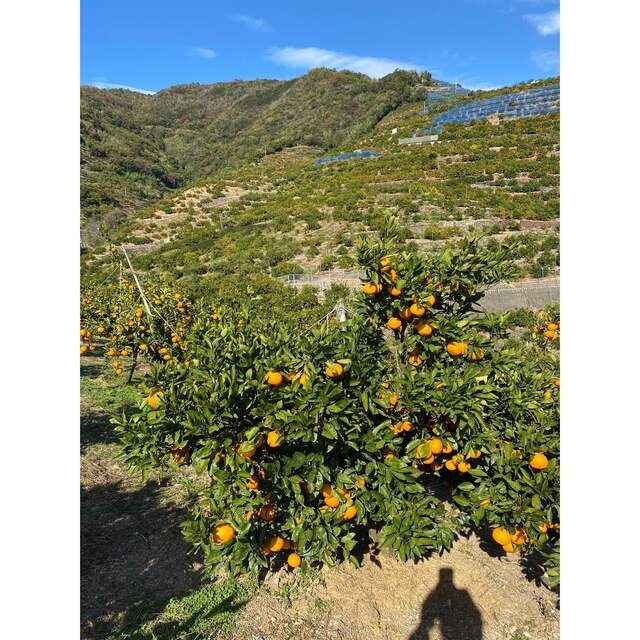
329 431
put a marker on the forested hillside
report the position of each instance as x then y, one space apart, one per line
135 147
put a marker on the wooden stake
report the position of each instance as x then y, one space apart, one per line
135 277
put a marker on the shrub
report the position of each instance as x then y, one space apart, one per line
308 438
327 262
345 262
312 251
439 232
284 268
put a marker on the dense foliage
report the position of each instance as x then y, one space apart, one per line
309 437
417 417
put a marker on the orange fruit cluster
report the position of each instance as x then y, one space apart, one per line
124 327
276 544
397 429
428 450
507 540
551 330
85 335
371 289
332 501
416 310
276 378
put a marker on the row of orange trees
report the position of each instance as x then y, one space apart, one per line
417 418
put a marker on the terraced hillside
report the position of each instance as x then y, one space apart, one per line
284 215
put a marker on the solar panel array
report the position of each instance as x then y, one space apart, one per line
450 88
431 96
530 102
347 156
445 91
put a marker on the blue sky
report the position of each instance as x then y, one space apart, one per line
149 45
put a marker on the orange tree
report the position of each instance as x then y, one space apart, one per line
309 439
114 317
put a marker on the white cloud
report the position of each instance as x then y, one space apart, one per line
546 23
480 86
109 85
310 57
202 52
255 24
546 59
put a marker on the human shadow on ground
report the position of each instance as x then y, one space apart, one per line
133 556
453 609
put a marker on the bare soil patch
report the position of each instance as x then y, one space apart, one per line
464 594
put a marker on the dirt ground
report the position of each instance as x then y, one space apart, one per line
133 556
463 595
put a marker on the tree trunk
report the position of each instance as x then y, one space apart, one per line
133 365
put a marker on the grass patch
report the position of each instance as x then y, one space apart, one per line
206 613
101 400
109 396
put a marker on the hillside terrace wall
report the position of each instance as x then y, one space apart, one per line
532 293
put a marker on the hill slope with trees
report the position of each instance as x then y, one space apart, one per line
283 214
135 148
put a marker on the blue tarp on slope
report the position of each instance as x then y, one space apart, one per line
347 156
